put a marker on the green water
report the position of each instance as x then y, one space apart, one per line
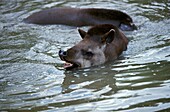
32 77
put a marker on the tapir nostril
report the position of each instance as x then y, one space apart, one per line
62 53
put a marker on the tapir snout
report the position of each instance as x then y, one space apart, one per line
62 54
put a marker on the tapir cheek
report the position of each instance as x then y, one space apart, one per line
84 63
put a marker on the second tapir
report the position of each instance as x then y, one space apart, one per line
100 44
82 17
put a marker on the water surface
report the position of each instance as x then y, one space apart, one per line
32 77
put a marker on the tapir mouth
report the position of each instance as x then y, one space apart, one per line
71 65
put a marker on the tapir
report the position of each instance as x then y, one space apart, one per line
82 17
100 44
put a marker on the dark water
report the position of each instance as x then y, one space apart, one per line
32 77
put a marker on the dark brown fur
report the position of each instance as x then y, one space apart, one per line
82 17
100 44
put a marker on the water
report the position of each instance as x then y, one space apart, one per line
32 77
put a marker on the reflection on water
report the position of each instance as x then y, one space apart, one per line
32 77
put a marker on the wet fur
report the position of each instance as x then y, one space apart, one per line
81 17
120 41
96 41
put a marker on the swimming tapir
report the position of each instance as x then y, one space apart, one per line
100 44
82 17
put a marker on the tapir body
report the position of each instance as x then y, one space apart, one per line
82 17
100 44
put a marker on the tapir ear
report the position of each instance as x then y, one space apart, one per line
108 37
82 33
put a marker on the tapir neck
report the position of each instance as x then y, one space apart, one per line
114 49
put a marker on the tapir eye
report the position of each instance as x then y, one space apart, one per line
87 53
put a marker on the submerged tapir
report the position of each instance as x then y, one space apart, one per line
100 44
82 17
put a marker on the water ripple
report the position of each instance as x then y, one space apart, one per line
32 77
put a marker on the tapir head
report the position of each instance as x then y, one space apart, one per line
91 50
